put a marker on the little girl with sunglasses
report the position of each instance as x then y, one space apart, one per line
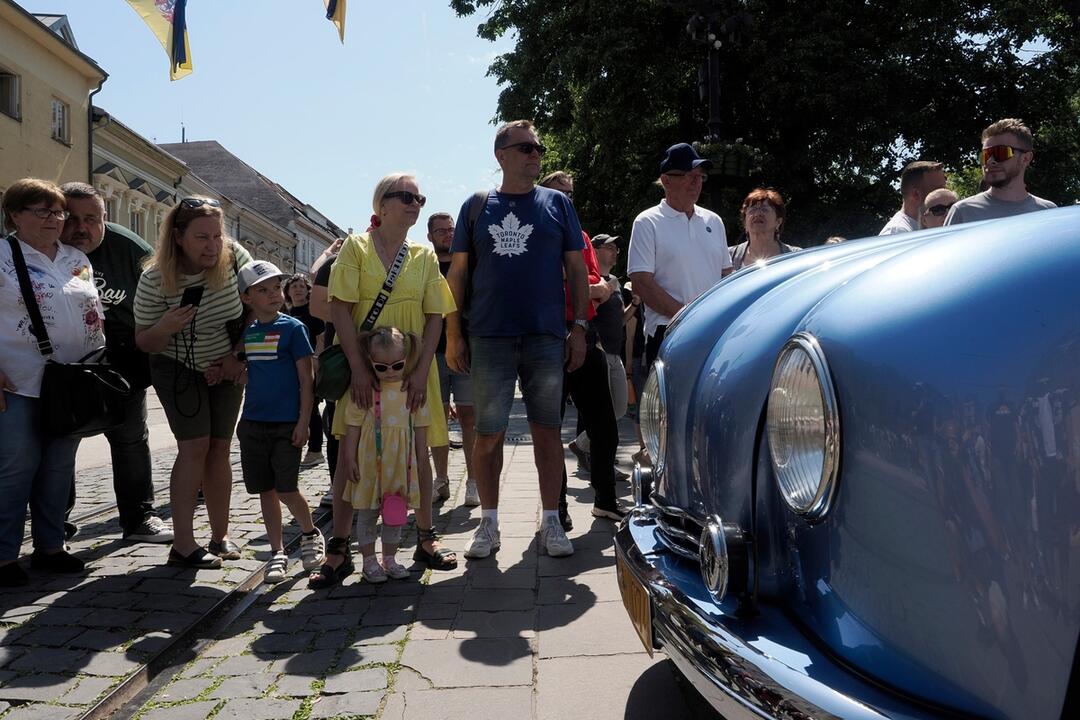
379 451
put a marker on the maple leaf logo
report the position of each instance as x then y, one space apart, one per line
510 237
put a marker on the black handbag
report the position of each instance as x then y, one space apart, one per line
79 399
334 376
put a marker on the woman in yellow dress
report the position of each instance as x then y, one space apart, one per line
418 302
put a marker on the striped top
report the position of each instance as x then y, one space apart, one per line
211 340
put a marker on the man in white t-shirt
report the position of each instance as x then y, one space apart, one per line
917 180
677 249
1007 150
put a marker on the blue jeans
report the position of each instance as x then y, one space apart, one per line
497 362
34 469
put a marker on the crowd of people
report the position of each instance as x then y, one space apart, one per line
510 293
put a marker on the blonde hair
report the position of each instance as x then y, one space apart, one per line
386 185
166 257
390 337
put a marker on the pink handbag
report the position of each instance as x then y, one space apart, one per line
395 511
395 507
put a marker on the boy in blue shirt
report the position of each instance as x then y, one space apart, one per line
273 426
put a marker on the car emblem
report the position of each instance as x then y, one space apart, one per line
714 558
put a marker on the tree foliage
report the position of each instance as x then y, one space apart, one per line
837 96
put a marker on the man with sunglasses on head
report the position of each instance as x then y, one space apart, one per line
1007 151
917 180
511 249
117 256
677 249
935 207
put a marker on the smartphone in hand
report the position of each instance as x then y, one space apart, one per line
192 296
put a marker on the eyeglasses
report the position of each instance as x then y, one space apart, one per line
383 367
407 197
699 176
443 231
527 148
193 202
938 210
1000 153
46 213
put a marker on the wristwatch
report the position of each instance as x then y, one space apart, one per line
583 324
240 355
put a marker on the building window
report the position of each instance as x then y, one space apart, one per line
9 93
110 209
61 121
135 223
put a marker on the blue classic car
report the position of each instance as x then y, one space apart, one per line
865 492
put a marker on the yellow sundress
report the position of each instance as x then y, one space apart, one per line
358 275
365 492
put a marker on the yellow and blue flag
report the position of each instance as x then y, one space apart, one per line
168 21
335 13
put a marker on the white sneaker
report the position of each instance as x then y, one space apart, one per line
152 530
394 569
484 541
553 539
442 489
472 496
275 569
311 459
312 550
373 572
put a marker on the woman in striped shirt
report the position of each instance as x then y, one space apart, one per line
195 367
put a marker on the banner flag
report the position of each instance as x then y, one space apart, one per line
167 19
335 13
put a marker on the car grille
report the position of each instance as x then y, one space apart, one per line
679 531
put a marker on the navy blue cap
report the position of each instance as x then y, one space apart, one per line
683 157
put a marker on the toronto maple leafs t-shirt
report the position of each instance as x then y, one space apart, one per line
273 385
517 287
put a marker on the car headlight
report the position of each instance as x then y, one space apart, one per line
804 427
652 415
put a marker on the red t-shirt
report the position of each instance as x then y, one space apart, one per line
594 277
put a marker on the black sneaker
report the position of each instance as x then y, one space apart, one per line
621 476
197 558
11 575
70 530
609 512
58 562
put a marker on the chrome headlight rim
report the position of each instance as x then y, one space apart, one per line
714 559
658 453
820 504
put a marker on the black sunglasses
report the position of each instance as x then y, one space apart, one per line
527 148
193 202
939 210
383 367
407 197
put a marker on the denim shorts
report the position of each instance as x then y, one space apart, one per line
458 383
267 456
497 362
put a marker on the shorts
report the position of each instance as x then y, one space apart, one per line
194 409
497 362
267 456
459 383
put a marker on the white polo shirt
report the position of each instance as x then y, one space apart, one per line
68 299
686 255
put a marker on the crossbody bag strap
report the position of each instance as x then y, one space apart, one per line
36 322
387 288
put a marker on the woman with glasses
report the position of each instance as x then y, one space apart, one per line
417 303
762 217
188 315
36 469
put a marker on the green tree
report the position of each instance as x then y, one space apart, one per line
836 96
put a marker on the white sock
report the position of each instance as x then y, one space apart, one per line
549 514
492 515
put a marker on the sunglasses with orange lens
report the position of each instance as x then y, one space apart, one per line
1000 153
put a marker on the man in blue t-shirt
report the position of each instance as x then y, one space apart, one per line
507 274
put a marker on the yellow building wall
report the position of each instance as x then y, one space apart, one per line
27 148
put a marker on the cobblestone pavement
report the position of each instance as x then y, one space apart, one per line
518 634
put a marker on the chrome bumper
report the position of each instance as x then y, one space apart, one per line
752 668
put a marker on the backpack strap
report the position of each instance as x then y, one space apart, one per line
477 203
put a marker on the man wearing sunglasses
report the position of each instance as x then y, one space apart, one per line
1007 151
511 249
917 180
935 207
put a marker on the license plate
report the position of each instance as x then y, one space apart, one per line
636 601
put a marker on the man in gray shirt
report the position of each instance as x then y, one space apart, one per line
1007 150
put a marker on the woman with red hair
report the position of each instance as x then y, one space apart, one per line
762 215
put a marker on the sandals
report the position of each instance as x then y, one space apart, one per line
441 559
327 575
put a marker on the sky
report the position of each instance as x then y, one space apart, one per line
407 92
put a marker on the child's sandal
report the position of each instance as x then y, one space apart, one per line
441 559
327 575
373 571
395 570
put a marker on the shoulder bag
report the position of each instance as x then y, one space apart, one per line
79 399
335 375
